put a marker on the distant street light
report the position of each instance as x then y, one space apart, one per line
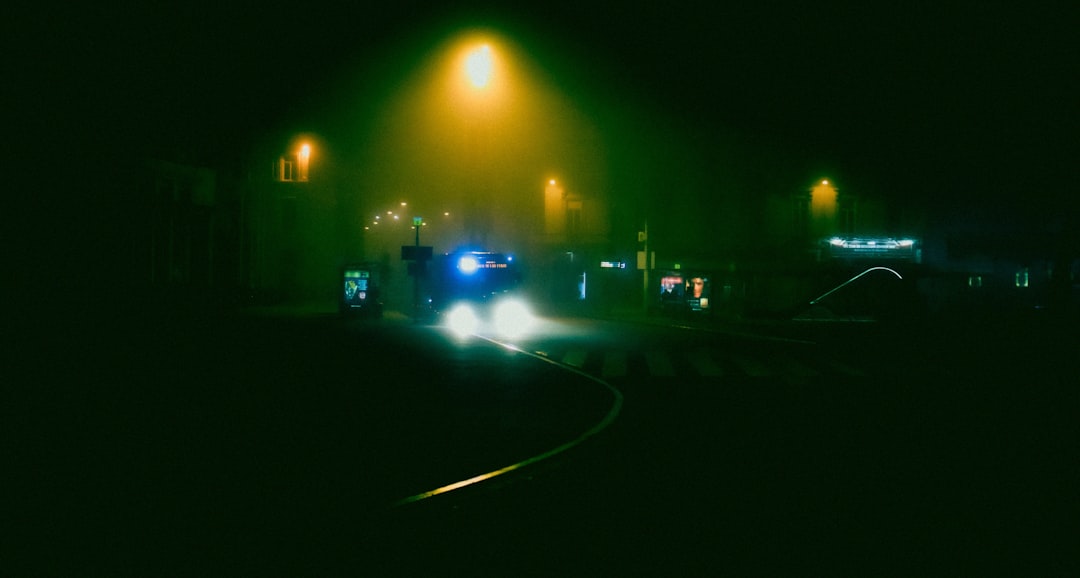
303 158
823 209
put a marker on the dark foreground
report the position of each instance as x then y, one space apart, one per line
199 445
959 456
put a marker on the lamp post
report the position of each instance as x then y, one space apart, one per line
418 268
645 263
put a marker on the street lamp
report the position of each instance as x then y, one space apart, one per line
479 65
823 208
303 158
554 210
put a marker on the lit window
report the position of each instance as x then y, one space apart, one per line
974 281
1022 277
285 169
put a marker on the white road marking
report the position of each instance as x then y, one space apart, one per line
659 363
614 364
752 367
575 358
792 367
703 363
847 369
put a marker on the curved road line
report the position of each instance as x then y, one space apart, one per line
602 425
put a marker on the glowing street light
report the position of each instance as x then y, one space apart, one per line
304 158
482 100
479 65
823 208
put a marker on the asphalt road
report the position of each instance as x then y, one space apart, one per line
280 444
258 443
850 450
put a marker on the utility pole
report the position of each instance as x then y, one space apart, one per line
645 270
417 265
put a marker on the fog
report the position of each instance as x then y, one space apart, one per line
408 127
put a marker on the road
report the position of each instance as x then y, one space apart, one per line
273 444
833 449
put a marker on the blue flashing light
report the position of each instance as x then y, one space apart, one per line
467 264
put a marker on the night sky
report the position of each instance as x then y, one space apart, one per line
957 105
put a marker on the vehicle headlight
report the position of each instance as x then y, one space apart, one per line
512 318
462 320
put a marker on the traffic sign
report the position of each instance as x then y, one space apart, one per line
641 260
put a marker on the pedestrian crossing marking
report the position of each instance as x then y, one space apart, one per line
575 358
795 368
847 369
659 363
751 366
614 364
702 361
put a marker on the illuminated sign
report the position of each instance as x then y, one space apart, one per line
872 247
698 289
356 286
473 261
641 260
671 289
678 291
612 264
